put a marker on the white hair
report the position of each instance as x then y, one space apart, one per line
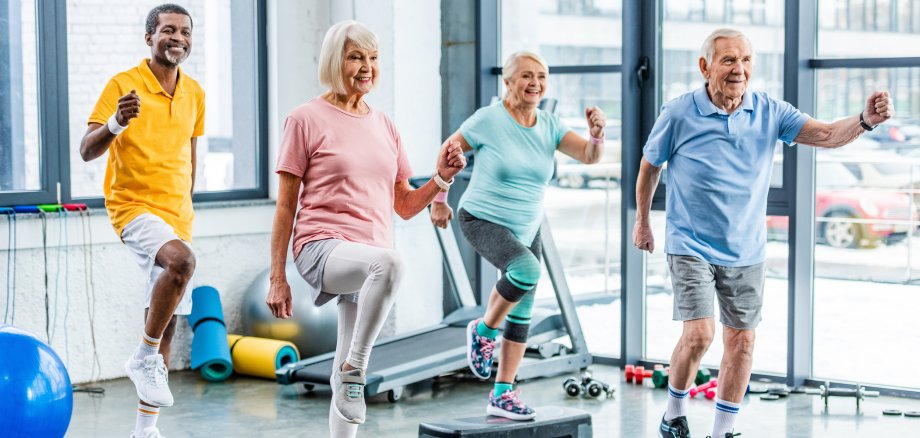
709 45
511 63
332 53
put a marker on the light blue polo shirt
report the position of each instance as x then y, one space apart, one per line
719 170
512 167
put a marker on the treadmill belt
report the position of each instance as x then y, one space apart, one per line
394 354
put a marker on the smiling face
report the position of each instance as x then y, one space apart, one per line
171 43
528 83
731 67
359 69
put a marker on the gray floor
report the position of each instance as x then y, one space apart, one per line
244 407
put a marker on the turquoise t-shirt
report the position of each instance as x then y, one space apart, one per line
512 167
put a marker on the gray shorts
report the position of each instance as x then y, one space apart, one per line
740 291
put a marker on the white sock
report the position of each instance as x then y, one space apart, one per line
726 413
677 403
146 418
148 347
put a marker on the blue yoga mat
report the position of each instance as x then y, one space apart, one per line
210 351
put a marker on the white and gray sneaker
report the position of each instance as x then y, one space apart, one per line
150 432
348 395
151 379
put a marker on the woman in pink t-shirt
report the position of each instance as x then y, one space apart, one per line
348 164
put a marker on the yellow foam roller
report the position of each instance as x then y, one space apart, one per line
260 357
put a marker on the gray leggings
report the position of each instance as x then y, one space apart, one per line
520 267
375 272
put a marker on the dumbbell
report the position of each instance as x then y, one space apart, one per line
859 393
636 374
703 375
587 386
712 384
660 377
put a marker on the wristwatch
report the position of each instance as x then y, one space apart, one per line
443 185
863 124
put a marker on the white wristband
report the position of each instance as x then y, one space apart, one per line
444 185
114 127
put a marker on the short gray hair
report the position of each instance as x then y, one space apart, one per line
332 54
709 45
510 67
511 64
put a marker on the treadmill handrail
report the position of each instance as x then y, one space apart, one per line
561 287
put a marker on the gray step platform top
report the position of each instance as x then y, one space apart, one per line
551 422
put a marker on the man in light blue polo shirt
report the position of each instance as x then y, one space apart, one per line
718 142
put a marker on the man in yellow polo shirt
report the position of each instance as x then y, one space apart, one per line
148 118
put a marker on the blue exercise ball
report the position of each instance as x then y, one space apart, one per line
36 399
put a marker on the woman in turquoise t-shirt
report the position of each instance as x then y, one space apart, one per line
501 211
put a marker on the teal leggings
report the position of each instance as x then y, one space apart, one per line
520 267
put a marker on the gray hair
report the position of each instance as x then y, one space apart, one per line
510 67
332 53
709 45
511 63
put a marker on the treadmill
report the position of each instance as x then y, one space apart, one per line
441 349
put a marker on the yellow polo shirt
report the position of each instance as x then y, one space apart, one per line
150 163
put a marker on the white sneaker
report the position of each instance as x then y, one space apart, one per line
150 432
151 379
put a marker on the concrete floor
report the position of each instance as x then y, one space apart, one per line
245 407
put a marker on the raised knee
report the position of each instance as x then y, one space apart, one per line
180 267
524 272
389 265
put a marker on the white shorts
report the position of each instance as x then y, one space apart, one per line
144 236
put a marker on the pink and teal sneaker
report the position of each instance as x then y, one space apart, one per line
509 406
479 351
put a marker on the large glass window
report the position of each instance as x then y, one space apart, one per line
583 203
227 155
868 28
34 116
20 149
867 251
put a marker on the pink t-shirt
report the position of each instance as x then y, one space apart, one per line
349 164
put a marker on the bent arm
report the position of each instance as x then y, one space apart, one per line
95 141
458 137
829 135
580 148
408 202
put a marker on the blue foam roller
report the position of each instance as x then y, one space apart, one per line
210 351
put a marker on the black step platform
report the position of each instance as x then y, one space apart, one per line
551 422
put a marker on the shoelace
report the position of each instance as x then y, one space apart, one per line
486 348
155 374
354 390
514 397
682 429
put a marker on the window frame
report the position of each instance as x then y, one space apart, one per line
53 114
641 51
